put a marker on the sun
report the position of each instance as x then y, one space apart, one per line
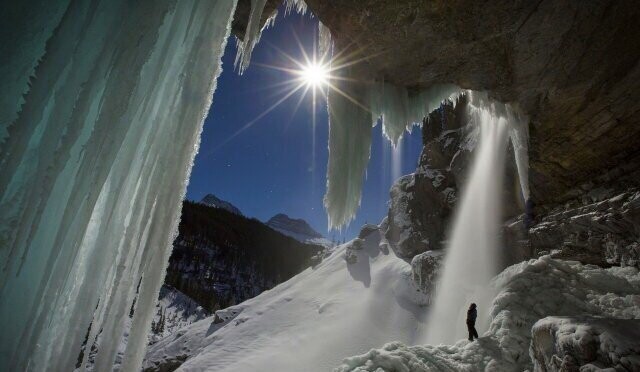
315 74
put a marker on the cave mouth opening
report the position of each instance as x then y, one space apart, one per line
101 133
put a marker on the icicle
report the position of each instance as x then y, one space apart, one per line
299 5
519 134
251 36
324 41
400 110
349 149
89 194
350 137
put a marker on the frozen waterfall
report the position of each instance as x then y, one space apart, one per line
101 111
472 251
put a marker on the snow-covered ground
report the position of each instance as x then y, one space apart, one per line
528 291
174 310
317 319
309 323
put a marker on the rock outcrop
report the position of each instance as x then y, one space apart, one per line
602 228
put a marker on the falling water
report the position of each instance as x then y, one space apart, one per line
471 257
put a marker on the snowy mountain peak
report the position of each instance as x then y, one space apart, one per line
213 201
298 229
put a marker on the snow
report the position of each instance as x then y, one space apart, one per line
93 169
310 322
178 310
174 311
526 292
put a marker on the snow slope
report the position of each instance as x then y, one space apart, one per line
175 310
312 321
309 323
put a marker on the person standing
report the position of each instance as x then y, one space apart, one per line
472 314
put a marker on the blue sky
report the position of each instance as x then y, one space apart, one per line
273 166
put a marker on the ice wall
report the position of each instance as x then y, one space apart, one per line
473 247
354 108
102 114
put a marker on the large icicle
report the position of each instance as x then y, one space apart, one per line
349 149
350 123
93 169
251 35
401 109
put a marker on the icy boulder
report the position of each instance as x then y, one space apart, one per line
585 344
526 293
425 269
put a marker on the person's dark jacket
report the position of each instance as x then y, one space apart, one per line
472 314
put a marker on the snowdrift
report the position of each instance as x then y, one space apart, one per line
316 319
309 323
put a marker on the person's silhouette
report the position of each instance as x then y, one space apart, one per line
472 314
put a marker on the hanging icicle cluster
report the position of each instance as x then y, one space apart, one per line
100 123
350 123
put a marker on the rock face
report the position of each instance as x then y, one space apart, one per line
571 344
571 66
602 228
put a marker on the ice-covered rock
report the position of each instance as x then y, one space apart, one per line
602 228
586 344
425 269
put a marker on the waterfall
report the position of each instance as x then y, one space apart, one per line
473 248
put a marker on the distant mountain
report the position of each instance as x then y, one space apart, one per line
298 229
213 201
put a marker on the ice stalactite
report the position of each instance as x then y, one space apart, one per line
519 134
349 149
251 35
471 254
401 109
324 41
298 5
93 169
354 108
